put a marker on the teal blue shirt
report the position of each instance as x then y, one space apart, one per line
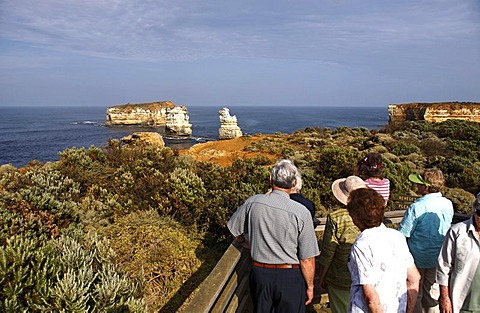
425 224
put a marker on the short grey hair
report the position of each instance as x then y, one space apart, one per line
298 185
284 174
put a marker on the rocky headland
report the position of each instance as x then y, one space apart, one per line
434 112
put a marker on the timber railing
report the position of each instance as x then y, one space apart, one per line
226 289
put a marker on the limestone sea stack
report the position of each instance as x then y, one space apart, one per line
434 112
228 125
143 114
154 114
177 122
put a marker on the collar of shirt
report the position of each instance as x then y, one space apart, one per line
281 192
471 228
432 195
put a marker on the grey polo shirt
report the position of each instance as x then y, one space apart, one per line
279 229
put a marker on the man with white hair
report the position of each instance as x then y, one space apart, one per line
283 245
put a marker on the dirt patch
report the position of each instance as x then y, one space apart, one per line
225 152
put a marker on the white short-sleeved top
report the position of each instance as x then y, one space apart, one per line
380 257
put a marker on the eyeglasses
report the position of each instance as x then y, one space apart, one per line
477 212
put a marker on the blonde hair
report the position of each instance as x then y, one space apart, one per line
434 176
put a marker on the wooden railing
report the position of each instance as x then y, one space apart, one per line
226 289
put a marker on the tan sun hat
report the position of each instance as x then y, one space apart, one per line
342 187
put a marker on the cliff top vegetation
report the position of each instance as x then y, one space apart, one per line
146 106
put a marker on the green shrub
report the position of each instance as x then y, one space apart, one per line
402 148
62 275
157 248
462 200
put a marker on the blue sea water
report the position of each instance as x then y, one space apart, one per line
40 133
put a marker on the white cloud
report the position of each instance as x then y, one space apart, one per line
189 29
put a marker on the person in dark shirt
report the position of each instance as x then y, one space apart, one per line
297 196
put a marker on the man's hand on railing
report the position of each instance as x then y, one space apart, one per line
243 241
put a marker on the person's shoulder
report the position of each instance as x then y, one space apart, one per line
461 226
445 199
420 201
339 214
255 198
390 234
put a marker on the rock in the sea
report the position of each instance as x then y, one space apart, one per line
434 112
228 125
151 138
177 122
145 114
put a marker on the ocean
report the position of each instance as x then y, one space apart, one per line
40 133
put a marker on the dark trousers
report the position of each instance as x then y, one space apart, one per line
277 290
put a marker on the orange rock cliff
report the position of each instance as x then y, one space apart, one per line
434 112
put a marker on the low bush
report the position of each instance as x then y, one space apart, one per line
63 275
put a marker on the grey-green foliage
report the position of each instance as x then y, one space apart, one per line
27 266
47 189
63 275
187 186
83 158
98 206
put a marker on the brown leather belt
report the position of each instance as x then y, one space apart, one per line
265 265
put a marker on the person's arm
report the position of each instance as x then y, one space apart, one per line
307 267
446 262
322 271
243 241
413 280
444 301
407 224
372 299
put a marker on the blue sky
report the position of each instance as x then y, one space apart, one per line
229 53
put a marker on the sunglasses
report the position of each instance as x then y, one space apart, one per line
477 212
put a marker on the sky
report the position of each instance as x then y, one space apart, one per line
232 53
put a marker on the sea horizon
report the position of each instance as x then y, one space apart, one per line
41 132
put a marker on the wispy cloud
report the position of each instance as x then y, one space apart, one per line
189 29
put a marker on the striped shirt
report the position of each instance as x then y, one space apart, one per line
279 229
382 186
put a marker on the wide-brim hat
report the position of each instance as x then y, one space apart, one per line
342 187
418 179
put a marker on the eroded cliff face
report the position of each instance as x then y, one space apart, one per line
145 114
155 114
434 112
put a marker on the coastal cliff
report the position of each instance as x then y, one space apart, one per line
155 114
145 114
434 112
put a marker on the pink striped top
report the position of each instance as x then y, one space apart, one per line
382 186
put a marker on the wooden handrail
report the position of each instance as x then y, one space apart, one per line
226 289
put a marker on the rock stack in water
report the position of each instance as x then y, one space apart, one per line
177 122
228 125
